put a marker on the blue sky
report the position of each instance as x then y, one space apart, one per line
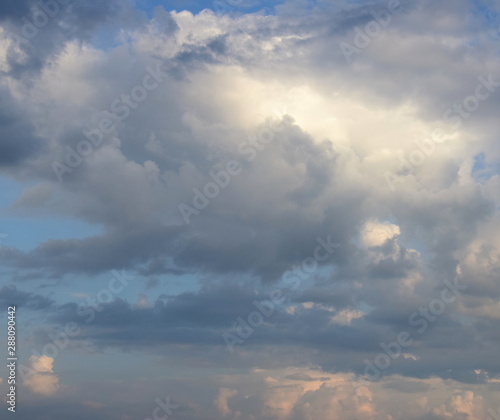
221 7
27 231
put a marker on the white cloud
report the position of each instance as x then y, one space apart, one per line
463 405
42 364
346 316
222 400
42 381
376 233
323 174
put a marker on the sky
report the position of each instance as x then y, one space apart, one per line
250 209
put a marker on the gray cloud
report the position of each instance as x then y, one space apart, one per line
342 127
10 295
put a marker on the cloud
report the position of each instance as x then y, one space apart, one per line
94 404
222 399
42 364
34 36
376 233
10 295
9 10
42 381
340 127
13 124
464 405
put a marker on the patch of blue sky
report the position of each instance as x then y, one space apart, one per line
194 6
484 10
220 7
482 170
26 233
106 38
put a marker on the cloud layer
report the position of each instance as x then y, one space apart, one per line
272 136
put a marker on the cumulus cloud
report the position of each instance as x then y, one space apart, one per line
221 402
376 233
464 405
42 364
41 379
326 147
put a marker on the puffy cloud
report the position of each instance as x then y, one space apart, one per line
296 393
221 402
42 364
41 379
43 384
346 316
316 138
463 406
376 233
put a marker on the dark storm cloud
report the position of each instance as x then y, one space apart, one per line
10 295
76 20
18 141
15 9
200 318
194 318
299 187
131 249
266 246
211 53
